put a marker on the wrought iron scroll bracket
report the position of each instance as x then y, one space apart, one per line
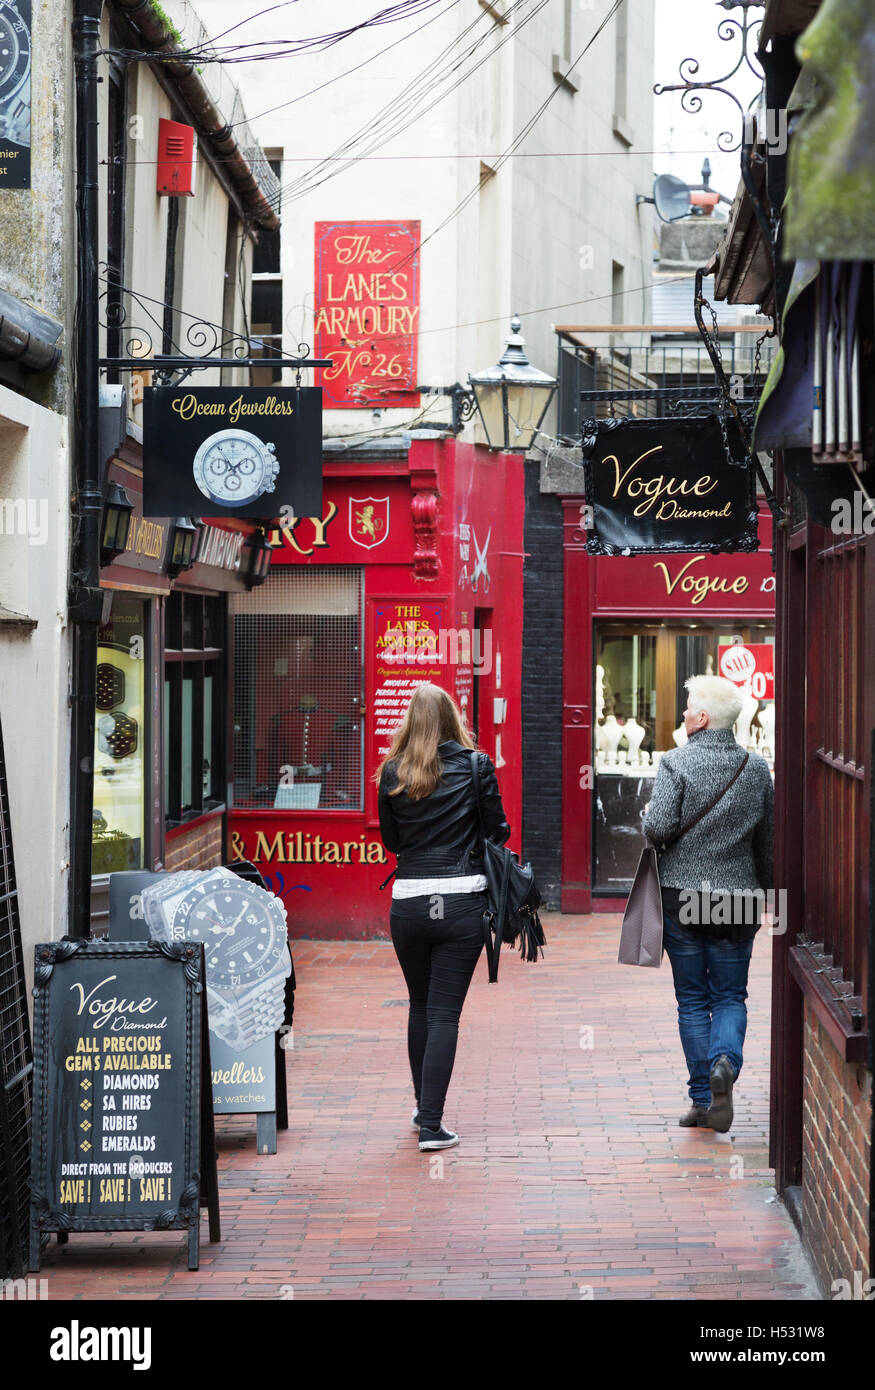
727 30
713 350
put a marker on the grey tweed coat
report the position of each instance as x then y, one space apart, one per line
731 847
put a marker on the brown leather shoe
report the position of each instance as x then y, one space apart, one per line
697 1115
720 1114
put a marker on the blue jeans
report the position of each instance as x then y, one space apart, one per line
710 985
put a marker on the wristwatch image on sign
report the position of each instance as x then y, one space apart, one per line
243 928
234 468
14 76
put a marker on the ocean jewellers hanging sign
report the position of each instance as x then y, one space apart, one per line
367 312
667 485
223 450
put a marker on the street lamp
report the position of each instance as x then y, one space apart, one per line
512 397
117 513
260 551
181 546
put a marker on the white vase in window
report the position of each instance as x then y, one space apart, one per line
680 735
599 693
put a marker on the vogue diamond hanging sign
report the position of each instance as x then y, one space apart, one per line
667 485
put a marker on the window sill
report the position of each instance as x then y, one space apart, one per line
10 619
175 828
623 130
839 1015
497 8
569 80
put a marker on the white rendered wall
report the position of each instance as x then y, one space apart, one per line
518 244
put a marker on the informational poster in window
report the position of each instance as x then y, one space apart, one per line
120 739
367 312
750 665
15 70
409 646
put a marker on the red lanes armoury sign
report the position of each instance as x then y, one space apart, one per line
667 485
367 312
229 451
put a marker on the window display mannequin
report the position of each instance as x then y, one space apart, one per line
749 707
767 726
634 734
611 732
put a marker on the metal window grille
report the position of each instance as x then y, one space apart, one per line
16 1060
298 691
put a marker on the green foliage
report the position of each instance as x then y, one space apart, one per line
164 19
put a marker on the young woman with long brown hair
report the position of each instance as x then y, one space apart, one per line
428 818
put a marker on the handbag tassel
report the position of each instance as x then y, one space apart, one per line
532 937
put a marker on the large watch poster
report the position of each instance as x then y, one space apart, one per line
232 451
15 68
667 485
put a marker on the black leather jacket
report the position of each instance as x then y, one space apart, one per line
438 835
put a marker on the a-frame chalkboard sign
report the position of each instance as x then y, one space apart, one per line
123 1136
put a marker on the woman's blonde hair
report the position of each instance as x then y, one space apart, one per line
432 717
718 697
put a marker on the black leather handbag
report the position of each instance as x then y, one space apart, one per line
511 915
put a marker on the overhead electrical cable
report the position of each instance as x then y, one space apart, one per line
211 52
420 28
518 138
409 104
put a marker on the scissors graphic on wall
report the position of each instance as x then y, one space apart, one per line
480 569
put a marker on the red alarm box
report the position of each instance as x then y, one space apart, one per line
176 159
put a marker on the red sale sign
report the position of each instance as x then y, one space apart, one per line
367 312
752 665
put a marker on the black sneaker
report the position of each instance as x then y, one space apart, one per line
414 1119
722 1078
437 1139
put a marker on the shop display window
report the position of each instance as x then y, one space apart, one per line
639 700
298 682
194 682
120 739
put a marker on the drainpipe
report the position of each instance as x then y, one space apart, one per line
86 599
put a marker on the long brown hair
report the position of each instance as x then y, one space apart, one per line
432 717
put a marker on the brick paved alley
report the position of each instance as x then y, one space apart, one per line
572 1180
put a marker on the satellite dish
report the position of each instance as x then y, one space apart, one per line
672 198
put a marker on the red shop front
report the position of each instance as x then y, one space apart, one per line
412 573
635 629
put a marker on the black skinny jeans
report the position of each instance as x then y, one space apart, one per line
437 954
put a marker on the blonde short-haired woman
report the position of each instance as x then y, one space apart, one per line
428 818
714 879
